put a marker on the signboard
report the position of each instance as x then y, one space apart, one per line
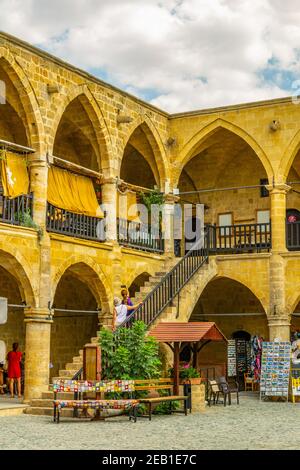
3 310
275 369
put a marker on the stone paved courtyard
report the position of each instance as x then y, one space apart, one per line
252 425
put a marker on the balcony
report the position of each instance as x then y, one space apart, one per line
245 238
139 236
17 211
74 225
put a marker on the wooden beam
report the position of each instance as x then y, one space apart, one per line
176 368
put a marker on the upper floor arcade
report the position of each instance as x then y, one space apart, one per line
74 135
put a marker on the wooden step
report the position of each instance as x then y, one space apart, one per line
72 366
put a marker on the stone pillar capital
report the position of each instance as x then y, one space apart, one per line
38 314
171 198
108 180
278 188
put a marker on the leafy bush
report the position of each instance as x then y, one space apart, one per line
129 353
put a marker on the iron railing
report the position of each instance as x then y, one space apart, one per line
75 225
170 285
16 211
139 236
239 238
293 236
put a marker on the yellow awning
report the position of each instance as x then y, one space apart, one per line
14 174
127 209
74 193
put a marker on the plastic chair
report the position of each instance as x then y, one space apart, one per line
213 392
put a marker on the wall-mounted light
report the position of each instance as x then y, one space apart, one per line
171 141
274 125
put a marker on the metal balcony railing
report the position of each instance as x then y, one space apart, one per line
16 211
139 236
245 238
75 225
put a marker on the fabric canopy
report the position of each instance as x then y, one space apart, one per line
72 192
14 174
127 209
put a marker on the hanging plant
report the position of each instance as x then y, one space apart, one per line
155 197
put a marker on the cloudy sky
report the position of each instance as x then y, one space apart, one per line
179 55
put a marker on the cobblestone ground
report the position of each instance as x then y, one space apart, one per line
251 425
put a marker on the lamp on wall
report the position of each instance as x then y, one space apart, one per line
274 125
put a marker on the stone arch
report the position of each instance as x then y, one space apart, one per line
156 144
249 284
288 158
15 263
294 300
34 123
91 106
90 273
138 280
205 132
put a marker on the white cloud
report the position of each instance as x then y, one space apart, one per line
182 54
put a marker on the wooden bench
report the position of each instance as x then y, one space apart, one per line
160 385
102 387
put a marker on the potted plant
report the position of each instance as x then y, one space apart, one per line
189 374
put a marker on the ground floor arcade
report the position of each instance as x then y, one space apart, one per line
81 302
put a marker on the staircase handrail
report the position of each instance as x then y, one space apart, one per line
170 285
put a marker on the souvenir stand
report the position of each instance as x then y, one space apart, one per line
275 369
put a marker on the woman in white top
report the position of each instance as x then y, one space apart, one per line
120 311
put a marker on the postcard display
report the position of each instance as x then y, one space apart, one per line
275 369
238 357
231 358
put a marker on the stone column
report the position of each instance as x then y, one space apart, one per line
168 224
109 204
38 185
37 352
279 327
278 318
278 193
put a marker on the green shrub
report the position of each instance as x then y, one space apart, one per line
129 353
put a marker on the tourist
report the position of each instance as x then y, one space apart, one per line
121 310
14 369
126 300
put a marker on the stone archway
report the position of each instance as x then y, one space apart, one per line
80 304
21 108
79 133
233 307
144 153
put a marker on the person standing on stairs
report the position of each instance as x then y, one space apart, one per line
121 310
126 300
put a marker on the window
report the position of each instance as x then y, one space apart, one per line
225 220
263 217
263 191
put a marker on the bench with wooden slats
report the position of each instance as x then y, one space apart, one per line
160 385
